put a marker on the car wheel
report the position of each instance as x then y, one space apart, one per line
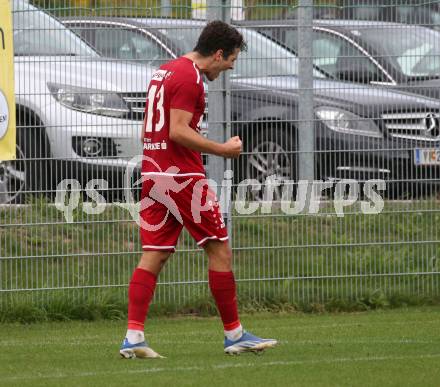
30 171
35 147
13 179
271 153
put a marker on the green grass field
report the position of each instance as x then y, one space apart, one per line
381 348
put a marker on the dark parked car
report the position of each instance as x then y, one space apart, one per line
405 57
419 12
361 132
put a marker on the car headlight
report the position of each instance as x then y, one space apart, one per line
89 100
342 121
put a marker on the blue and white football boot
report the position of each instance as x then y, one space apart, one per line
248 343
138 350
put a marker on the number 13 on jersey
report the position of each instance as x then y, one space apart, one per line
155 107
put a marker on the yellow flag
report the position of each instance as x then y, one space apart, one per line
7 97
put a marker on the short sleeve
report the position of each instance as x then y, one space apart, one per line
185 96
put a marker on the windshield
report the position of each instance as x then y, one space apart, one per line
415 51
37 33
263 56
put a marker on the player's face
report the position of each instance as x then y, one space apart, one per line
221 64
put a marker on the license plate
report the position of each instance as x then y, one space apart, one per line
426 156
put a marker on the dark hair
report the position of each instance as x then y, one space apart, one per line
218 35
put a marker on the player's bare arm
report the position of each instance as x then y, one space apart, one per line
184 135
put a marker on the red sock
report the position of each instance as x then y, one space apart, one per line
222 285
140 294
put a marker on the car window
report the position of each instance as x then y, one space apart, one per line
264 57
291 39
37 33
326 51
88 34
343 60
183 37
129 45
149 51
337 57
412 50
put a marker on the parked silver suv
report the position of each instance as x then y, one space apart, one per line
78 115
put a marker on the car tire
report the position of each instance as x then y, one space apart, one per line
270 152
35 147
30 172
13 179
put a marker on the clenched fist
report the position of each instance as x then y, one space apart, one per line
232 148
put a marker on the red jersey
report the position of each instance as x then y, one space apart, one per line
177 84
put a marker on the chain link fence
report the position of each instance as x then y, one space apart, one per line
335 196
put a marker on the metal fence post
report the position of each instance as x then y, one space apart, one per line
306 132
219 110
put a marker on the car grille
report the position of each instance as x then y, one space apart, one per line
136 104
413 125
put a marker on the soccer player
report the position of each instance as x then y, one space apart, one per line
175 193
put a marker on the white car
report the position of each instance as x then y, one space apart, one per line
78 115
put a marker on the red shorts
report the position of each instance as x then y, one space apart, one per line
168 203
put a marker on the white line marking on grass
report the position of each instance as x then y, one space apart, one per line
221 366
200 333
207 331
360 324
327 361
78 343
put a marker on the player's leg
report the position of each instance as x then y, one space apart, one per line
202 217
140 293
142 286
222 285
153 261
223 289
158 244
